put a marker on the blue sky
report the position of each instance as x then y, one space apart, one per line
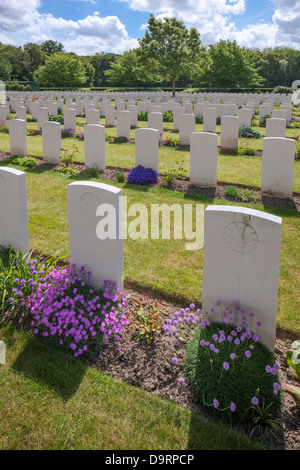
89 26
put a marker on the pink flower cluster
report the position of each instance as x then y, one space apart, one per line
66 306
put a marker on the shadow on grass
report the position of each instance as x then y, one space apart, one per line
53 369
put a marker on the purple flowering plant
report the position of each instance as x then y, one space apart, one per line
225 361
19 275
142 175
66 308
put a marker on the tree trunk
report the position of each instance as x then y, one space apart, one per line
173 86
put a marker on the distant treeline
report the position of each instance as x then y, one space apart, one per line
277 66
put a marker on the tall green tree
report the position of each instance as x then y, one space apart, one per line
5 70
19 61
230 65
36 56
130 69
51 47
171 46
102 61
61 70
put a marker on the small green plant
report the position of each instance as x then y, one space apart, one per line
120 140
199 120
293 360
174 174
67 159
264 422
4 129
168 116
245 195
27 162
143 116
120 176
145 318
249 133
262 122
231 191
170 142
56 118
244 150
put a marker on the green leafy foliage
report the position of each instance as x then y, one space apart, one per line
144 318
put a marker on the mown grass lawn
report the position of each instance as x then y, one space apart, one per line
51 401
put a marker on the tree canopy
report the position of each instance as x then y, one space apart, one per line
171 46
61 70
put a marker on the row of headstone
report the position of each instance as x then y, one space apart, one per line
246 240
277 156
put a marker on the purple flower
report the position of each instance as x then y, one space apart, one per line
181 381
232 356
276 388
247 353
232 406
174 360
254 400
216 403
225 365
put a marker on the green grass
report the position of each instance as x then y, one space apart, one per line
51 401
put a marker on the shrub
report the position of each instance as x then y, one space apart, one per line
250 133
143 116
79 135
71 313
67 133
119 174
19 274
4 129
56 118
145 318
262 122
142 175
227 367
245 195
168 116
27 162
170 142
171 176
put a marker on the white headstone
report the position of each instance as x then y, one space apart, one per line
96 230
92 116
110 115
94 146
123 124
241 265
17 137
229 132
209 119
13 210
278 166
203 159
51 142
155 121
147 148
275 127
186 127
70 119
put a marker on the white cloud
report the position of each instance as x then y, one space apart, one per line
21 22
216 19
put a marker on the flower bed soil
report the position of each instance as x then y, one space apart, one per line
150 367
